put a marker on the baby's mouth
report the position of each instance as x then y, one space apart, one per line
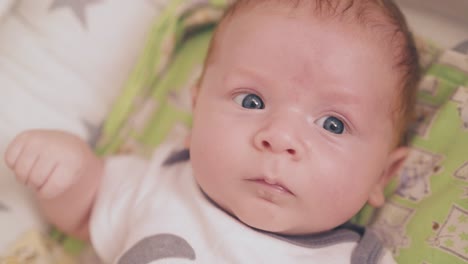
274 184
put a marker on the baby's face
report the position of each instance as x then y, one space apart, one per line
293 126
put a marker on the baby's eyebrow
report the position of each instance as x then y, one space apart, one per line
343 96
342 91
245 74
345 93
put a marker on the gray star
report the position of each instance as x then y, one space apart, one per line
77 6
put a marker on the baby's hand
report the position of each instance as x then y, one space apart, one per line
48 161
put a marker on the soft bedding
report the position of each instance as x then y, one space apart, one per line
425 219
62 64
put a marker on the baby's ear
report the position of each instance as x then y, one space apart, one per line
395 160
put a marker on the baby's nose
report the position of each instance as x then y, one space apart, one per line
280 137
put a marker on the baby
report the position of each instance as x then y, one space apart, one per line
298 121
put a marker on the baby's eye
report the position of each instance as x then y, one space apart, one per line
249 101
332 124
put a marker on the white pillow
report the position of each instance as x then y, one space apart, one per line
62 63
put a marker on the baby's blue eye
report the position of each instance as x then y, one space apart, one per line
249 101
333 124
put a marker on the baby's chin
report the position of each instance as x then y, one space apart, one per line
277 228
269 217
269 223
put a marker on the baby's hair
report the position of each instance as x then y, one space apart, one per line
382 16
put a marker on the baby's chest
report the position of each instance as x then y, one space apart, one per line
191 237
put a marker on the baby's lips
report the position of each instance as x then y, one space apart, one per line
273 183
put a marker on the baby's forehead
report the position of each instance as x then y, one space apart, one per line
370 16
380 20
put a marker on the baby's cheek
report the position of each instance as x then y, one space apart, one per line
343 203
342 194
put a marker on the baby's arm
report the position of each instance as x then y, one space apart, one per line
65 173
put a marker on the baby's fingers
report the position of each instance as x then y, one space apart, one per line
24 164
14 150
42 170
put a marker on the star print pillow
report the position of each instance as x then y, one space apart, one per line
64 61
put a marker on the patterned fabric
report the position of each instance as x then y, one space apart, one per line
426 218
156 99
